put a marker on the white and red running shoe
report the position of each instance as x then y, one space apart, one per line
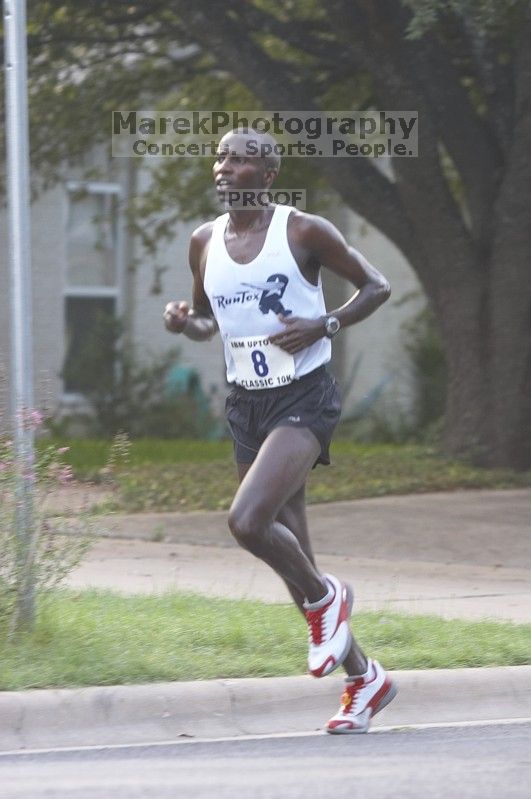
328 628
363 697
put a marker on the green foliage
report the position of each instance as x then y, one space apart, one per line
132 396
101 638
488 18
380 426
101 59
93 367
423 345
371 421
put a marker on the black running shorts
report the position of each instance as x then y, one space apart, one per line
313 402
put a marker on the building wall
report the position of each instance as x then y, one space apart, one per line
48 255
148 331
377 342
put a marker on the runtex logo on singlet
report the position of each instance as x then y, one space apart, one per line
268 295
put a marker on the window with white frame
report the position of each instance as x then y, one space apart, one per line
94 277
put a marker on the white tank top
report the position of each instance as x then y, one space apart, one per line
246 299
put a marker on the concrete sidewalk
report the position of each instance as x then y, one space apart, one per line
464 554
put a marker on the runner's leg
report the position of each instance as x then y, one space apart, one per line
292 516
278 472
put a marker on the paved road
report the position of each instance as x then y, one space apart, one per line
479 762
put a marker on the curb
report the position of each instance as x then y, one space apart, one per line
218 708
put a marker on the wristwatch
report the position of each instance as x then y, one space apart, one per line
332 325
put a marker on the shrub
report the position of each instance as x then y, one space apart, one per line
35 554
423 345
127 394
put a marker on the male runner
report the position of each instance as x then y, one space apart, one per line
256 279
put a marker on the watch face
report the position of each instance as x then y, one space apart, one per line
332 326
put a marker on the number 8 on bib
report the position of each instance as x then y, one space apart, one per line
260 364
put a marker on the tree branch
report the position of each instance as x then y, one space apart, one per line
441 239
360 185
469 141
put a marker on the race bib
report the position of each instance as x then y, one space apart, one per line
260 364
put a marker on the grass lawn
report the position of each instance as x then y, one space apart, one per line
200 475
101 638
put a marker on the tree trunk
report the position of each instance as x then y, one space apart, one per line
484 310
486 332
488 412
461 324
510 292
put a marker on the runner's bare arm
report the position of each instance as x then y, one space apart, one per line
324 246
196 322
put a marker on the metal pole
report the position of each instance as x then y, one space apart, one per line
17 148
